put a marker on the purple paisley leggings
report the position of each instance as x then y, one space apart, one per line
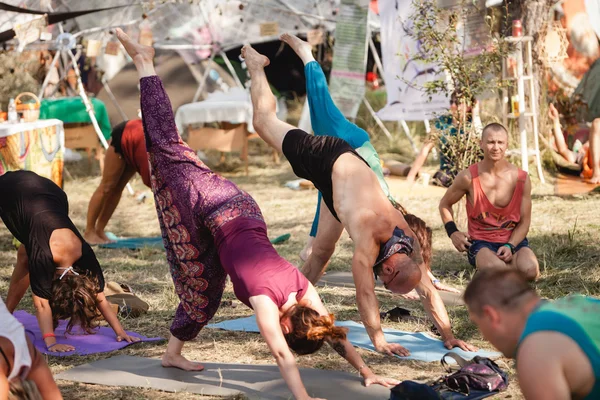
191 202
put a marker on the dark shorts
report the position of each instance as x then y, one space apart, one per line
312 158
481 244
116 135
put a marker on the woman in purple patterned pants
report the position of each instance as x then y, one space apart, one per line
211 228
186 191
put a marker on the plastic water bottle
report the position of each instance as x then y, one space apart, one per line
12 111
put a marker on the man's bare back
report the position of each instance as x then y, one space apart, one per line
361 205
353 195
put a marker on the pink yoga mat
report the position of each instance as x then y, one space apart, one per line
102 341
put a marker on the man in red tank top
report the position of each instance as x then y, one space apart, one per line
498 209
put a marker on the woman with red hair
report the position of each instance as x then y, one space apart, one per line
211 229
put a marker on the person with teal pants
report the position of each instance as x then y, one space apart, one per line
327 120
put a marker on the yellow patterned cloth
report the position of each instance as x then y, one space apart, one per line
35 146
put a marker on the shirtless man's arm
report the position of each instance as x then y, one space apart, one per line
434 306
365 253
459 188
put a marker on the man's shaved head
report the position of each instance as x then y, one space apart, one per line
399 273
494 142
493 127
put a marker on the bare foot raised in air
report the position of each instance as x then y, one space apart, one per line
179 361
141 55
253 58
302 48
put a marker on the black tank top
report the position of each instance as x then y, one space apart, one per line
32 207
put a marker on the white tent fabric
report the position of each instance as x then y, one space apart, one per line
230 22
194 30
177 23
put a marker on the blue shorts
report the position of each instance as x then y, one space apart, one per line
481 244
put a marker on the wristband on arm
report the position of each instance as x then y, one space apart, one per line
49 335
450 228
510 246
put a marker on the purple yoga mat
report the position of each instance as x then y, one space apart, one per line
103 341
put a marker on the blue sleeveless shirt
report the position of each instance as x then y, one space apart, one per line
577 317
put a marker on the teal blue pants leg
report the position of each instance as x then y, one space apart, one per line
326 119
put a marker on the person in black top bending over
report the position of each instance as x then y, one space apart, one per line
65 276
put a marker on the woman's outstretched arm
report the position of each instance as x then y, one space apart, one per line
345 349
43 312
267 318
112 319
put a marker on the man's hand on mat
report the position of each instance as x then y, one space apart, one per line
393 349
127 338
452 343
60 348
380 380
461 241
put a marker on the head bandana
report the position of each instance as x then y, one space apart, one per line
398 243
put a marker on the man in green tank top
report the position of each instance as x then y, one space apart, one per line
556 344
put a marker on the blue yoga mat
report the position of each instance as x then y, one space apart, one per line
132 243
156 242
422 347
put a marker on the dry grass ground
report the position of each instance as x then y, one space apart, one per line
564 234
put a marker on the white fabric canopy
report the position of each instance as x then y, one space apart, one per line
229 23
194 30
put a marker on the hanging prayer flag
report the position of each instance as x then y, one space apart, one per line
269 29
112 48
347 83
93 48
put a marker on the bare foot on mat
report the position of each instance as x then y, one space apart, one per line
179 361
594 180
